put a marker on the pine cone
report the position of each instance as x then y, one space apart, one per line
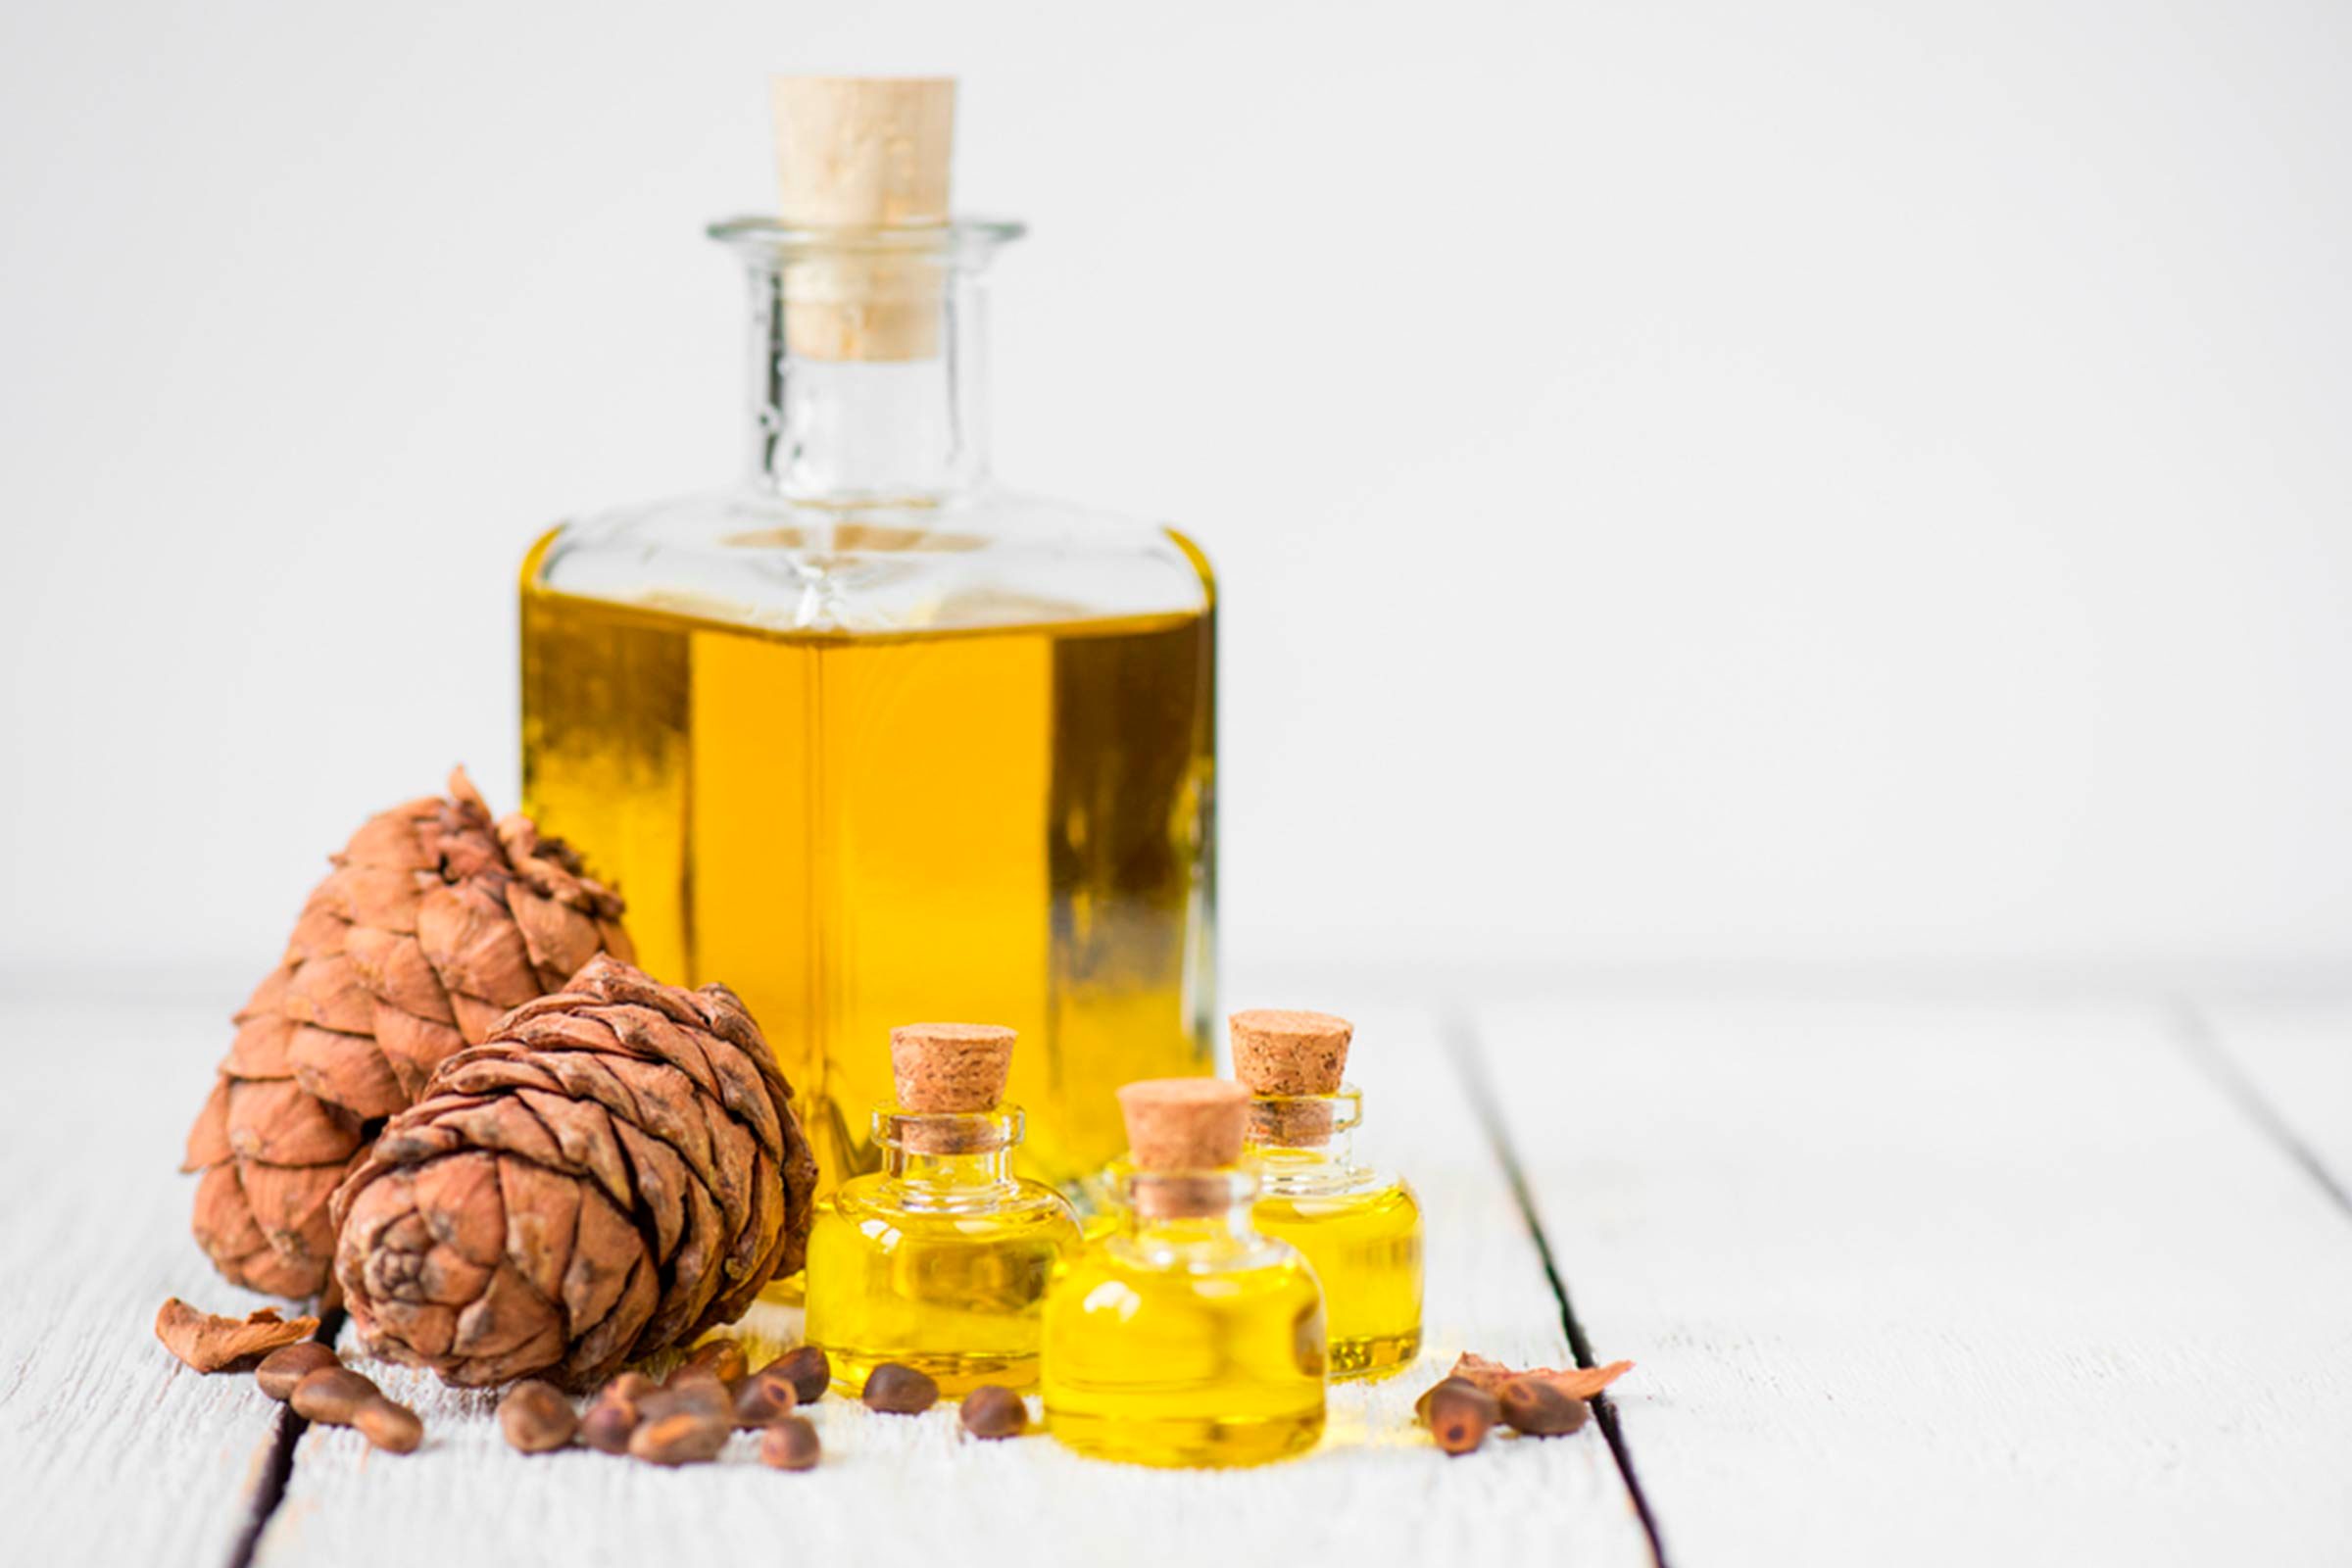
615 1170
433 923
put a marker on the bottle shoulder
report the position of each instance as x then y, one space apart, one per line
1248 1265
876 1198
1299 1175
992 558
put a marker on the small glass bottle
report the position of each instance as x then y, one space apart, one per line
941 1260
1360 1228
865 727
1185 1338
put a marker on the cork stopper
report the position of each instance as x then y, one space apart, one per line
1184 1123
951 1066
859 155
1278 1052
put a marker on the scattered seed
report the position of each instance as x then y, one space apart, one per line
1457 1413
683 1438
722 1358
900 1390
536 1417
1538 1408
695 1393
763 1399
607 1426
332 1394
789 1444
392 1428
614 1413
288 1365
992 1410
806 1369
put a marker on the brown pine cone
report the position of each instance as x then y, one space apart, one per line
435 921
615 1170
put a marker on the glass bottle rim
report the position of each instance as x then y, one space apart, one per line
774 237
950 1132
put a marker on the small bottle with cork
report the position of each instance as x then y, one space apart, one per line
941 1260
1186 1337
1358 1226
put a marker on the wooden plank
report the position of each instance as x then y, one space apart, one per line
109 1449
915 1489
2293 1060
1957 1284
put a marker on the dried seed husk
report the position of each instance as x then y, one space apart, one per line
686 1437
392 1428
762 1401
332 1394
1576 1382
1537 1408
211 1343
791 1444
992 1410
1457 1413
897 1389
289 1364
537 1418
806 1369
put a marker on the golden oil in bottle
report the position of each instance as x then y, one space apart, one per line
1363 1238
867 735
855 830
1185 1338
941 1260
1360 1228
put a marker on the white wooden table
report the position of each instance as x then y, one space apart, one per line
1907 1280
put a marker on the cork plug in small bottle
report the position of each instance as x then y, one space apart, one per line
938 1261
1358 1226
1186 1337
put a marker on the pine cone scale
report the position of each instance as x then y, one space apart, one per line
393 971
338 1067
273 1121
259 1049
469 937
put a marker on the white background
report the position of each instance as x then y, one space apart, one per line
1693 485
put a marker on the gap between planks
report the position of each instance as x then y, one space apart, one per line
1460 1036
278 1468
2193 1027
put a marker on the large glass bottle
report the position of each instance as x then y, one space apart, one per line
868 737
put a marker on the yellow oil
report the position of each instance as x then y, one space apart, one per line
1009 824
1187 1362
954 1291
1365 1247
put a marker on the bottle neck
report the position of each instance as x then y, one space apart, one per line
987 1169
1189 1211
1305 1143
949 1158
892 418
